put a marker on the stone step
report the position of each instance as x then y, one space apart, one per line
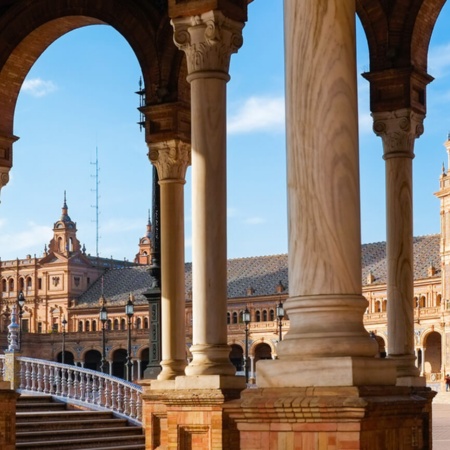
77 433
46 424
67 414
106 442
71 424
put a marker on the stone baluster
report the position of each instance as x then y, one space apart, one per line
399 130
171 158
325 305
208 41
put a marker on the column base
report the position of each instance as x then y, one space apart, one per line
314 418
339 371
411 381
210 360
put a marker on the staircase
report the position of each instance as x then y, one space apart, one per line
43 423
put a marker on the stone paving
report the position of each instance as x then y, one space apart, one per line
441 421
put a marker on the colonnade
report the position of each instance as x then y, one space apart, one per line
325 304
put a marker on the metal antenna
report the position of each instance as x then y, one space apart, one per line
97 197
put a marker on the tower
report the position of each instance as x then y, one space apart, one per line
64 239
444 196
145 246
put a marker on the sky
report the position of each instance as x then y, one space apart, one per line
80 96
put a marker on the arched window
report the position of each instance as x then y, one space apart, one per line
138 323
4 285
145 322
21 284
235 317
116 324
11 285
272 315
228 318
60 245
265 315
123 324
94 325
29 283
80 326
87 325
258 316
438 300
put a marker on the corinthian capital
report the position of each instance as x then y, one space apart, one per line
171 159
208 41
398 129
4 176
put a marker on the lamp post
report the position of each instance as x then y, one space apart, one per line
246 319
103 320
280 316
63 323
21 303
129 311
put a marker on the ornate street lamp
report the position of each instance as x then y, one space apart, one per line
246 318
103 320
129 311
280 316
21 303
63 323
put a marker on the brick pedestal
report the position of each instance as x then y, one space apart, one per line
7 417
369 418
179 416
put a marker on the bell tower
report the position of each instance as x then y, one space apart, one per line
64 240
444 196
145 246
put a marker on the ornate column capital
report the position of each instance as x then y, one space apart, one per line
4 176
208 41
398 130
171 159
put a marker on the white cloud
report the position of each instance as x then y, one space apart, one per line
17 243
254 221
38 87
258 114
439 60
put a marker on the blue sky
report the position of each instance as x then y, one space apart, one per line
80 95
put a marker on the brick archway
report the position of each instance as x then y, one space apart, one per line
28 28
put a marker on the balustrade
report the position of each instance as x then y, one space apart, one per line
81 386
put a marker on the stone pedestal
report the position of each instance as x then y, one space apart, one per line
12 369
313 418
188 413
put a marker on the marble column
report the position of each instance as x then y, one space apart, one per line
398 130
208 41
171 159
326 305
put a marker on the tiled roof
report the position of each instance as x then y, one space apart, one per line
259 275
426 253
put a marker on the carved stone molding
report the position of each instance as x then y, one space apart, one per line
398 129
171 158
4 176
208 41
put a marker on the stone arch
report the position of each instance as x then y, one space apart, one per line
254 345
28 29
432 344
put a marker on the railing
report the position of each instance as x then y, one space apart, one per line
83 387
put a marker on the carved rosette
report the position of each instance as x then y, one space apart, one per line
398 130
171 159
208 41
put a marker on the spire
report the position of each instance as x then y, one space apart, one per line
149 226
65 216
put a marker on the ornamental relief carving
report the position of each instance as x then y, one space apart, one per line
4 176
398 130
208 40
171 158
